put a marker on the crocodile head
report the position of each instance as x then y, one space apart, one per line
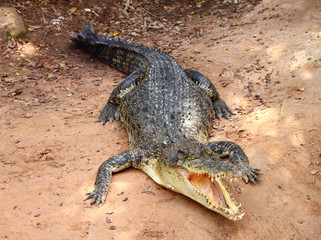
204 182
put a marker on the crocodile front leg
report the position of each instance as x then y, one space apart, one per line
116 163
111 109
237 157
220 107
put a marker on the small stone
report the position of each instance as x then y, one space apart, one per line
279 186
314 172
55 21
301 89
112 228
108 220
308 197
125 199
29 115
109 213
37 214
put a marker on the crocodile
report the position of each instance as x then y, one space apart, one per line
168 113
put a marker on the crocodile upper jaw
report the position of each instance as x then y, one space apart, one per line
210 191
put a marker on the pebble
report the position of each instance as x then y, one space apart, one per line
108 220
29 115
37 214
112 228
313 172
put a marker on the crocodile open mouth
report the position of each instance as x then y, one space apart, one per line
216 194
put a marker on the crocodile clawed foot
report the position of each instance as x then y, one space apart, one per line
109 113
251 175
221 109
98 195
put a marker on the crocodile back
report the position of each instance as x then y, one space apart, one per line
166 106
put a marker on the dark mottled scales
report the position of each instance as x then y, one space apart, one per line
167 112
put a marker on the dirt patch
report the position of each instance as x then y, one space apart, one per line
264 58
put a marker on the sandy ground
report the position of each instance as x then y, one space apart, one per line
264 61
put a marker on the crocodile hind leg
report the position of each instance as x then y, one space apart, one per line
116 163
111 109
237 157
220 107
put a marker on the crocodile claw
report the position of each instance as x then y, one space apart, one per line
98 195
221 109
251 175
109 113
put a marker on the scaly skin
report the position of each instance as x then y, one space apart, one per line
167 112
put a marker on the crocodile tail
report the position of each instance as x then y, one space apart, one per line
117 53
87 39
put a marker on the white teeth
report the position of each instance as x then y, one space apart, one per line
216 178
231 180
240 205
235 179
212 180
